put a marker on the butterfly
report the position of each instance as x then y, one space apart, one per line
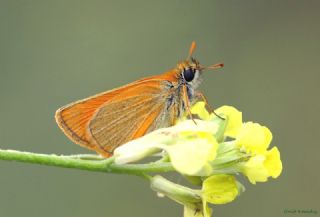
107 120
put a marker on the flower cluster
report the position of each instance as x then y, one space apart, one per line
210 151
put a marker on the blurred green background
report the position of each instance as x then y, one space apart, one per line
55 52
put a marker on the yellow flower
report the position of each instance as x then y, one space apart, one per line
255 170
262 166
253 137
191 153
220 189
234 118
191 147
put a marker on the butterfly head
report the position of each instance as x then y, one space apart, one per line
190 69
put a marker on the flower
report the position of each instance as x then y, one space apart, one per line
191 147
259 167
209 152
253 138
234 118
220 189
192 153
249 147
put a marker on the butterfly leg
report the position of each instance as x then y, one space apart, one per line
187 103
200 95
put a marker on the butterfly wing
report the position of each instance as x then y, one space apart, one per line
107 120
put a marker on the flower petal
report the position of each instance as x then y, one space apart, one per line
254 138
255 170
191 153
220 189
138 149
273 162
234 118
262 166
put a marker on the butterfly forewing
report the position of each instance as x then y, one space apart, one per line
107 120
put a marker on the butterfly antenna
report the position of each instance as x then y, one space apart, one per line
214 66
192 48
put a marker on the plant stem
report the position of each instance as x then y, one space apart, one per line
94 164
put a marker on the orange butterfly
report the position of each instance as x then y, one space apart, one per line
107 120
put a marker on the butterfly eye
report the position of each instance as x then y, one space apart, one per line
188 74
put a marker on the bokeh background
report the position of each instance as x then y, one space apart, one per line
55 52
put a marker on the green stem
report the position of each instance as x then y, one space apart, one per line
94 164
